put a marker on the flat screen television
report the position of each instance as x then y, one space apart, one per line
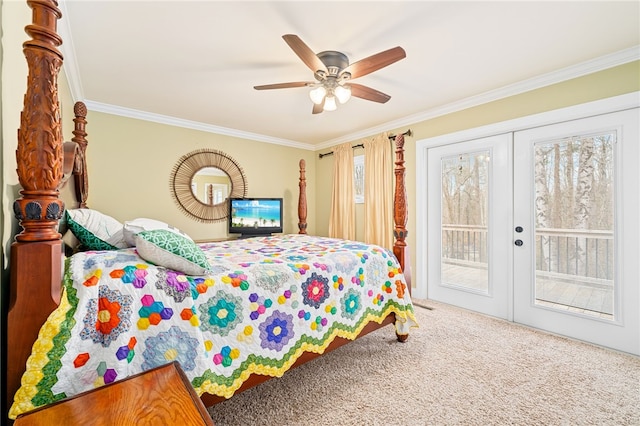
251 217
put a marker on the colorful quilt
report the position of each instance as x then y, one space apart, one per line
265 302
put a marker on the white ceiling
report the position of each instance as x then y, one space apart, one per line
194 63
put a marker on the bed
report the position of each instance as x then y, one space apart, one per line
255 309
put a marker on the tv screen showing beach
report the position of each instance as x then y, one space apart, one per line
255 213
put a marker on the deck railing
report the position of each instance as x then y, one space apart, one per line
576 253
464 242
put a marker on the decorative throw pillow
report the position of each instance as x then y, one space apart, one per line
71 243
95 230
135 226
173 251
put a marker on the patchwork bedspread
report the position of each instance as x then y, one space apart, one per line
266 301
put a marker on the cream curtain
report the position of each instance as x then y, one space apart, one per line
342 222
378 191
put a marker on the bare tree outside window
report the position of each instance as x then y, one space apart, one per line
574 221
465 183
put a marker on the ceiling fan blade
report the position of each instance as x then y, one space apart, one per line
375 62
364 92
318 108
305 53
283 85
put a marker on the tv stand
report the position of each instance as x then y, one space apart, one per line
245 236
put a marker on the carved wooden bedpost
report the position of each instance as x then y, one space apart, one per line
39 153
302 200
400 215
38 248
81 178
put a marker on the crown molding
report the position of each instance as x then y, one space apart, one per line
589 109
193 125
69 64
588 67
72 72
599 64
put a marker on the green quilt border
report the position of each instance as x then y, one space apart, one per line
50 370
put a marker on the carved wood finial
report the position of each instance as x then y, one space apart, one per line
81 178
302 200
39 153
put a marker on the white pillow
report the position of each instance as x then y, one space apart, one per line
173 251
95 230
135 226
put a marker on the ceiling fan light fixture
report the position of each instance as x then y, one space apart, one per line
332 71
343 93
330 103
318 94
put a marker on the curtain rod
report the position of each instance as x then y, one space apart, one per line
391 137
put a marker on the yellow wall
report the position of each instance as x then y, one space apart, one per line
129 180
612 82
15 15
130 163
130 160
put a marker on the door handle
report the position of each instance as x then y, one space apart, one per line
518 243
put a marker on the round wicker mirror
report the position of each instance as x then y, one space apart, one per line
183 184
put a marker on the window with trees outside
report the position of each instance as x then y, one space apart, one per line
574 208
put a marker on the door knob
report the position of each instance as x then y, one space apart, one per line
519 243
519 229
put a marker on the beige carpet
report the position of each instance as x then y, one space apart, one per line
457 368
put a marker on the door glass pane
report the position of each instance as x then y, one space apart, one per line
465 195
574 191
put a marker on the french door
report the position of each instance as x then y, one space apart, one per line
539 226
469 183
576 204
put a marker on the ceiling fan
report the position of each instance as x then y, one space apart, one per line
333 75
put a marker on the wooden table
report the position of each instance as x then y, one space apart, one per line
161 396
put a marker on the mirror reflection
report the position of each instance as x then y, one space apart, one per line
211 185
203 180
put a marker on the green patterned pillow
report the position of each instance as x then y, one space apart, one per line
173 251
95 230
